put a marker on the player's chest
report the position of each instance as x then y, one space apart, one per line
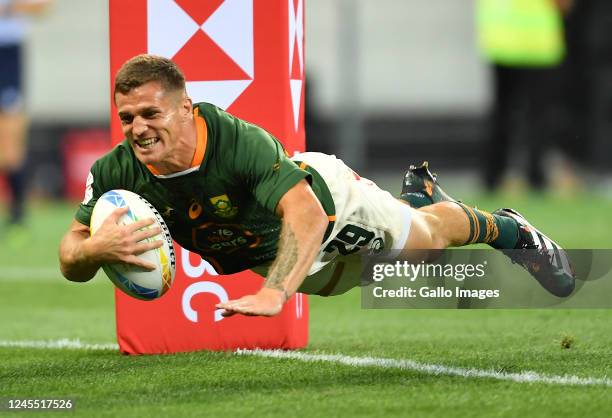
192 203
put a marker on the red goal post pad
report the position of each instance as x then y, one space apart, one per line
247 57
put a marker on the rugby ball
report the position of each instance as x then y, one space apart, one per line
134 281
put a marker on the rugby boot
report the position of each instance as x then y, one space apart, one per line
543 258
420 187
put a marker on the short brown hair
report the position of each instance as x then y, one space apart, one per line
145 68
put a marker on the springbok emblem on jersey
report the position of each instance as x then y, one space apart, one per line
223 206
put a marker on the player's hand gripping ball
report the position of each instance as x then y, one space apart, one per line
134 281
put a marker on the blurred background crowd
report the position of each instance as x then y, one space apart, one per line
505 93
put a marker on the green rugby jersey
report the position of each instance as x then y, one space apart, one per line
223 209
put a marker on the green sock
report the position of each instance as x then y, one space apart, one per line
497 231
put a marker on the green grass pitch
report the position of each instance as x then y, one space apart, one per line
36 305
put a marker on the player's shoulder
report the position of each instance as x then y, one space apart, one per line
227 130
213 114
221 119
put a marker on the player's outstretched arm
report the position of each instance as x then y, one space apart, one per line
81 255
303 226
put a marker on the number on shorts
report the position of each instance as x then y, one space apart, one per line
350 235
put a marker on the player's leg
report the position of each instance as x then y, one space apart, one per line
13 144
452 223
13 127
13 121
507 83
12 130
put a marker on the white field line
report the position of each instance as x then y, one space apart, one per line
431 369
64 343
377 362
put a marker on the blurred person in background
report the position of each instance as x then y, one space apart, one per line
13 117
524 42
589 37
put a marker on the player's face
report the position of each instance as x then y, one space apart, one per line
154 122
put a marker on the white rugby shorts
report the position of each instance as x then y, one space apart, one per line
367 221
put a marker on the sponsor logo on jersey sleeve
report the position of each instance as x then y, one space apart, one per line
88 189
